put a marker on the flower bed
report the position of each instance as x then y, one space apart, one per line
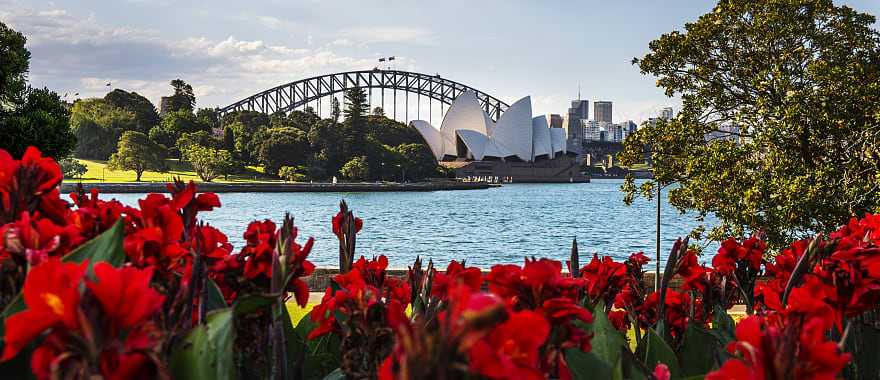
97 289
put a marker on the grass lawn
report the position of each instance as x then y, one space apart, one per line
97 171
297 313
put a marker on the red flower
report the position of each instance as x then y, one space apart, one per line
661 372
456 274
51 293
260 237
778 349
337 224
35 239
511 350
125 294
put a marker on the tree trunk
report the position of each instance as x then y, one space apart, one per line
138 174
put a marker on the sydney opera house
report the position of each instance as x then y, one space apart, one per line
516 148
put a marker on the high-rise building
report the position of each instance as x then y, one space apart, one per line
573 123
598 131
627 128
554 120
666 113
602 111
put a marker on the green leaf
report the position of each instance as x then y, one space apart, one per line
723 326
106 247
697 351
607 342
587 365
254 302
633 369
337 374
321 355
657 351
207 351
215 298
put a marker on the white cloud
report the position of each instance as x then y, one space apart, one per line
73 54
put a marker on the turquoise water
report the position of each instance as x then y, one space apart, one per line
485 227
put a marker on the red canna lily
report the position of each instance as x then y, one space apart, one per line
51 293
511 350
125 294
456 274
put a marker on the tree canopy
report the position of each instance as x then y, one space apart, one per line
28 116
780 123
144 111
138 153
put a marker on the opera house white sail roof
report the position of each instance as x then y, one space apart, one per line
516 134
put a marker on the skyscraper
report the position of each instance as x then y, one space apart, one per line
602 111
579 112
666 113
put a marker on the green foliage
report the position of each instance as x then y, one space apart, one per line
137 152
42 120
196 138
335 111
207 351
72 168
356 169
281 147
209 118
173 126
604 360
292 174
245 125
144 111
416 160
356 108
779 123
97 125
208 163
14 65
183 98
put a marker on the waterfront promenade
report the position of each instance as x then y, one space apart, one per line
278 187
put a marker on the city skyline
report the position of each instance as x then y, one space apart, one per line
229 50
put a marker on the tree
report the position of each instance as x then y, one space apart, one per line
780 125
356 169
144 111
282 147
14 64
245 125
334 109
97 125
42 121
138 153
72 168
28 116
378 111
174 125
228 139
355 122
183 98
209 163
201 138
417 161
209 118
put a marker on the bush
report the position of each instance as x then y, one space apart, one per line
292 174
356 169
72 168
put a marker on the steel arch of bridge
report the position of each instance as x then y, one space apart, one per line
290 96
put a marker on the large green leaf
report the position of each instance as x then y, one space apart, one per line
607 342
253 302
657 351
723 326
207 351
337 374
320 356
106 247
697 351
587 365
215 298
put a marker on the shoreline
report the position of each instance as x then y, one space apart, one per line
153 187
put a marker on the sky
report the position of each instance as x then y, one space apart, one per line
228 50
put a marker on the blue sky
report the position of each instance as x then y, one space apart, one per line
230 49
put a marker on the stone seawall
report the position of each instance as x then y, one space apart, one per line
269 187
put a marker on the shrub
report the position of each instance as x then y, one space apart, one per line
292 174
72 168
356 169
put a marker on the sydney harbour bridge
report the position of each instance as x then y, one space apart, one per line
415 90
